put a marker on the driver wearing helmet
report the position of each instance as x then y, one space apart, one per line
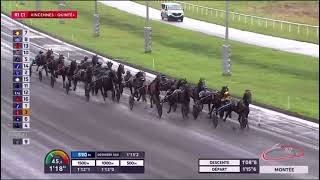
38 57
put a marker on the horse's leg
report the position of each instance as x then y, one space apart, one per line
209 107
183 111
227 114
144 99
96 89
102 93
37 68
46 69
75 82
187 110
170 104
175 105
113 93
63 80
151 99
139 95
210 112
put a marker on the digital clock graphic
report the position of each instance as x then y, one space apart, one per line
57 161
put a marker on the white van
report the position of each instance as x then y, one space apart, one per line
172 11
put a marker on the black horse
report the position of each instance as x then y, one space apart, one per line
107 82
42 60
120 71
241 107
70 72
180 95
154 92
60 69
85 76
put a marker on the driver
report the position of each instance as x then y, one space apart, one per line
202 89
38 57
85 60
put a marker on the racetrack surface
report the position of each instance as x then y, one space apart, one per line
172 145
277 43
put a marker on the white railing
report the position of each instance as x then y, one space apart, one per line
290 27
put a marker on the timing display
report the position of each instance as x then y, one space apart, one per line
107 162
228 165
57 161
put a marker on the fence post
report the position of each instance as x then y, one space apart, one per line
281 25
273 24
259 21
307 31
233 16
216 13
289 27
245 19
251 20
317 31
239 17
206 11
211 11
298 29
266 23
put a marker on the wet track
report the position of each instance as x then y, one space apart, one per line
172 145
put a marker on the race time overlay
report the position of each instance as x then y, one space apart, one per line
228 166
107 162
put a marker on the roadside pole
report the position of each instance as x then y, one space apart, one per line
226 61
147 32
96 20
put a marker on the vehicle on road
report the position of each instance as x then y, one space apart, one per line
172 11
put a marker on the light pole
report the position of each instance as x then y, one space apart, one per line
38 5
96 19
226 62
21 2
61 8
147 32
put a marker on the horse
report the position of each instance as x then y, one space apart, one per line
154 92
208 98
70 72
217 100
50 62
44 60
137 83
241 107
60 69
85 76
106 82
180 95
120 71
